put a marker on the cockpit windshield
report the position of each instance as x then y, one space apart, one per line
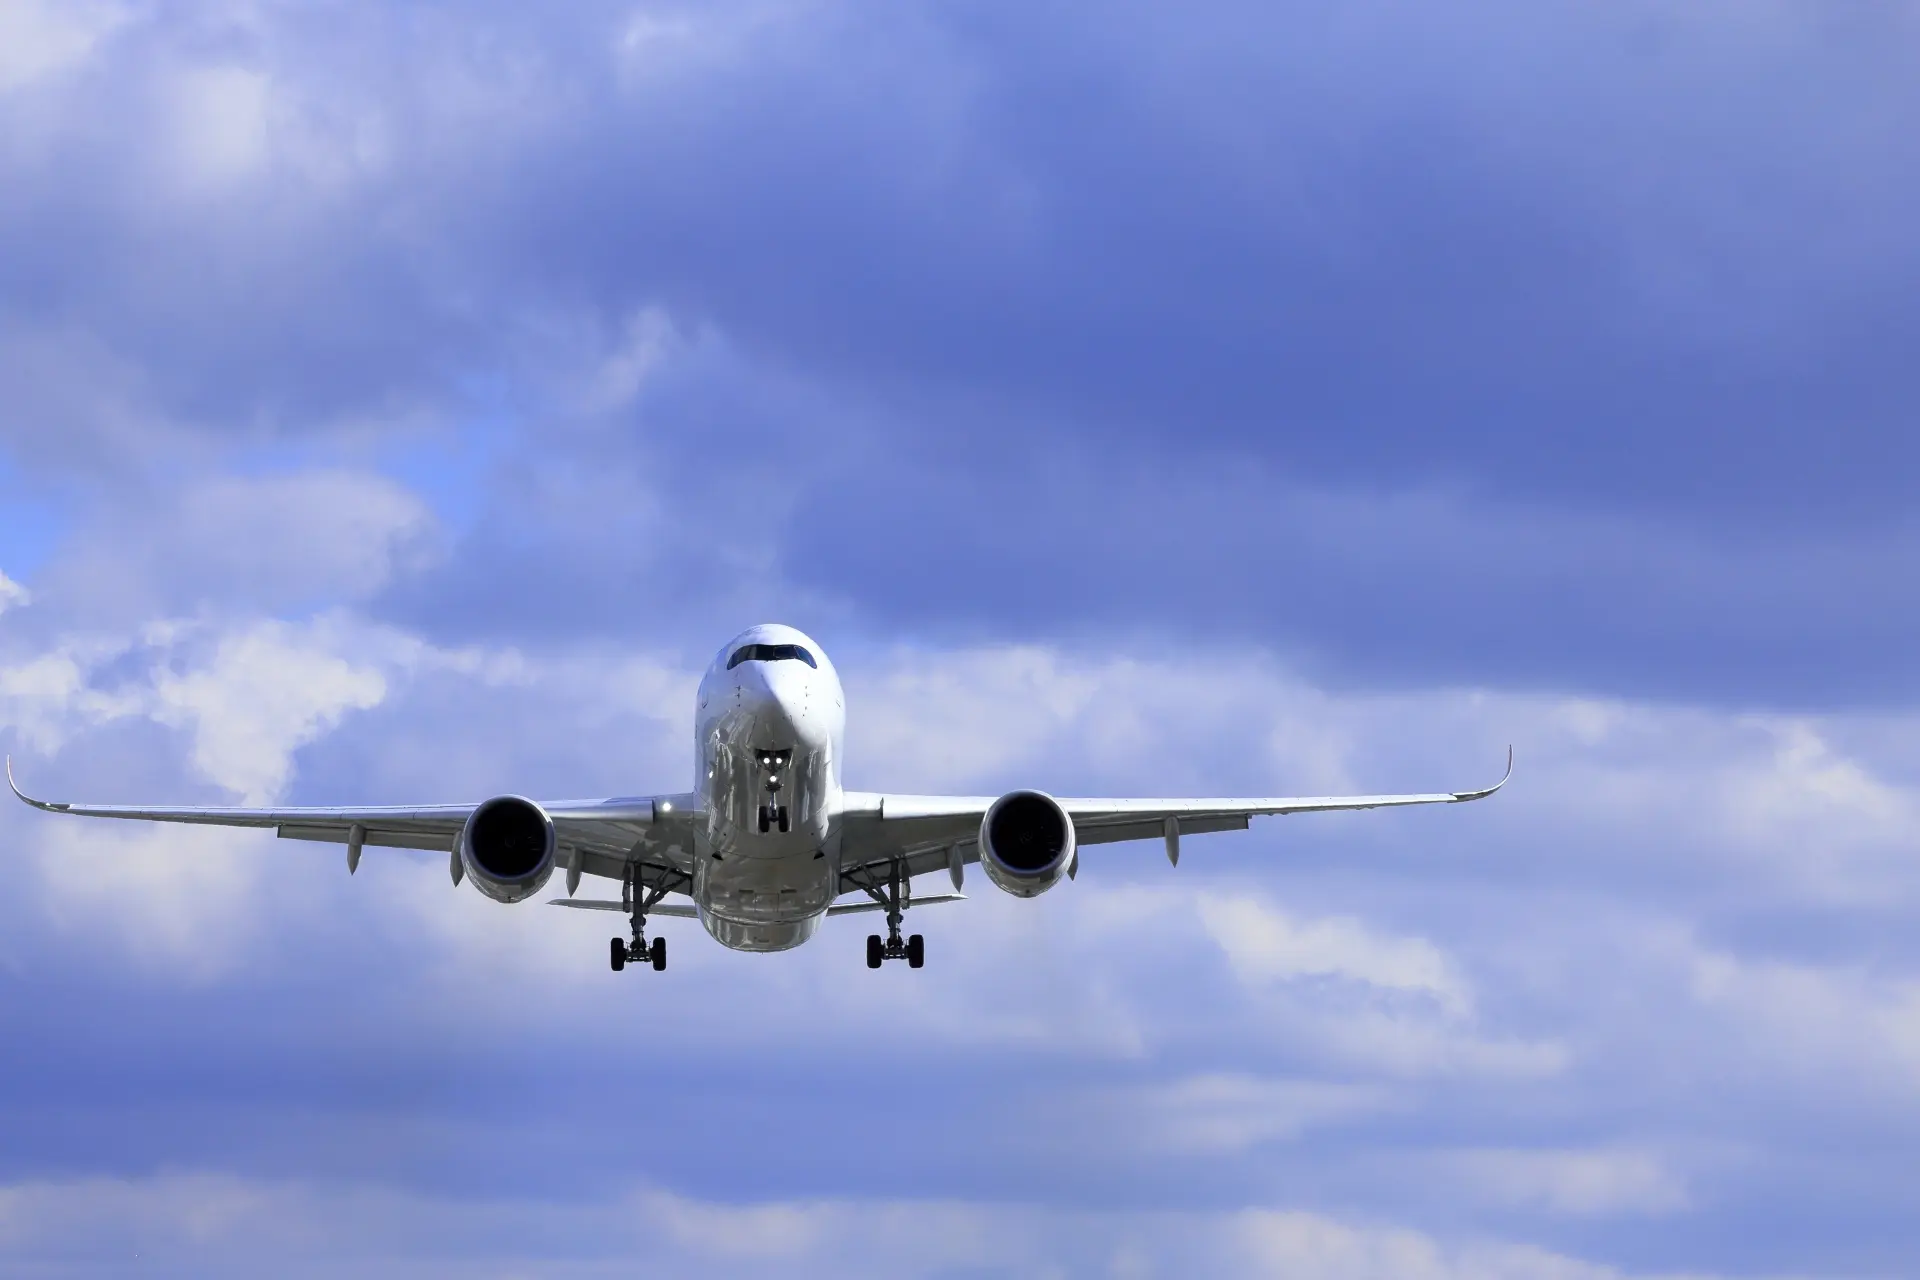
770 653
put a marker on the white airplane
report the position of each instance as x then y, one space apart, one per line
767 843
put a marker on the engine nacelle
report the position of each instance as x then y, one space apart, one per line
507 847
1026 843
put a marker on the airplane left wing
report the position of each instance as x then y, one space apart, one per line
607 833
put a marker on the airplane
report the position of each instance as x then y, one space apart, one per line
768 843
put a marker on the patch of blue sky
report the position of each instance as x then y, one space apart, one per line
32 519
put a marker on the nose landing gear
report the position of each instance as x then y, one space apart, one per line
774 763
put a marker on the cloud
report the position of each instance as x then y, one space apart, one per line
12 594
1229 1114
220 1225
247 698
1265 945
39 40
179 901
221 118
262 695
1305 1245
286 540
1587 1183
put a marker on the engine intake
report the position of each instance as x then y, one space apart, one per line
1026 843
508 847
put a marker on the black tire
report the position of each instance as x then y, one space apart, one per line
874 951
658 954
617 954
916 951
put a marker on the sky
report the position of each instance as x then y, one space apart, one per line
401 403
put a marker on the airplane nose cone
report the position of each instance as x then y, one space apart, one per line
782 701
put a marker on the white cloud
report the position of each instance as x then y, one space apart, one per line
47 697
40 39
11 593
264 693
1581 1183
1302 1246
1816 1023
1227 1113
180 897
282 540
648 341
220 120
1265 944
221 1225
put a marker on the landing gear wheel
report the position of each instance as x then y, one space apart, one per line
916 951
617 954
875 952
658 954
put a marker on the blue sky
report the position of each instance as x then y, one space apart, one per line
401 404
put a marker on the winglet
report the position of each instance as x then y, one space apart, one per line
1482 795
38 804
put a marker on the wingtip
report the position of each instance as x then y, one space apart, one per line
1487 791
23 797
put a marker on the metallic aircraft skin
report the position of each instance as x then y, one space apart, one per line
768 842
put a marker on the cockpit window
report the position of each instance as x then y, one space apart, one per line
770 653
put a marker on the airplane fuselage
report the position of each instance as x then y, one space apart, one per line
769 724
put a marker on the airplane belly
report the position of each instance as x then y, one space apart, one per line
763 904
742 935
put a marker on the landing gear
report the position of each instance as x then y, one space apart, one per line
774 763
637 898
914 949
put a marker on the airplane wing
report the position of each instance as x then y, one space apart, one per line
608 834
922 832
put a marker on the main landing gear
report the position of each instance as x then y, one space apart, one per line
914 949
638 951
638 899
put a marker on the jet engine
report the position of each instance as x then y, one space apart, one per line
507 847
1026 843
